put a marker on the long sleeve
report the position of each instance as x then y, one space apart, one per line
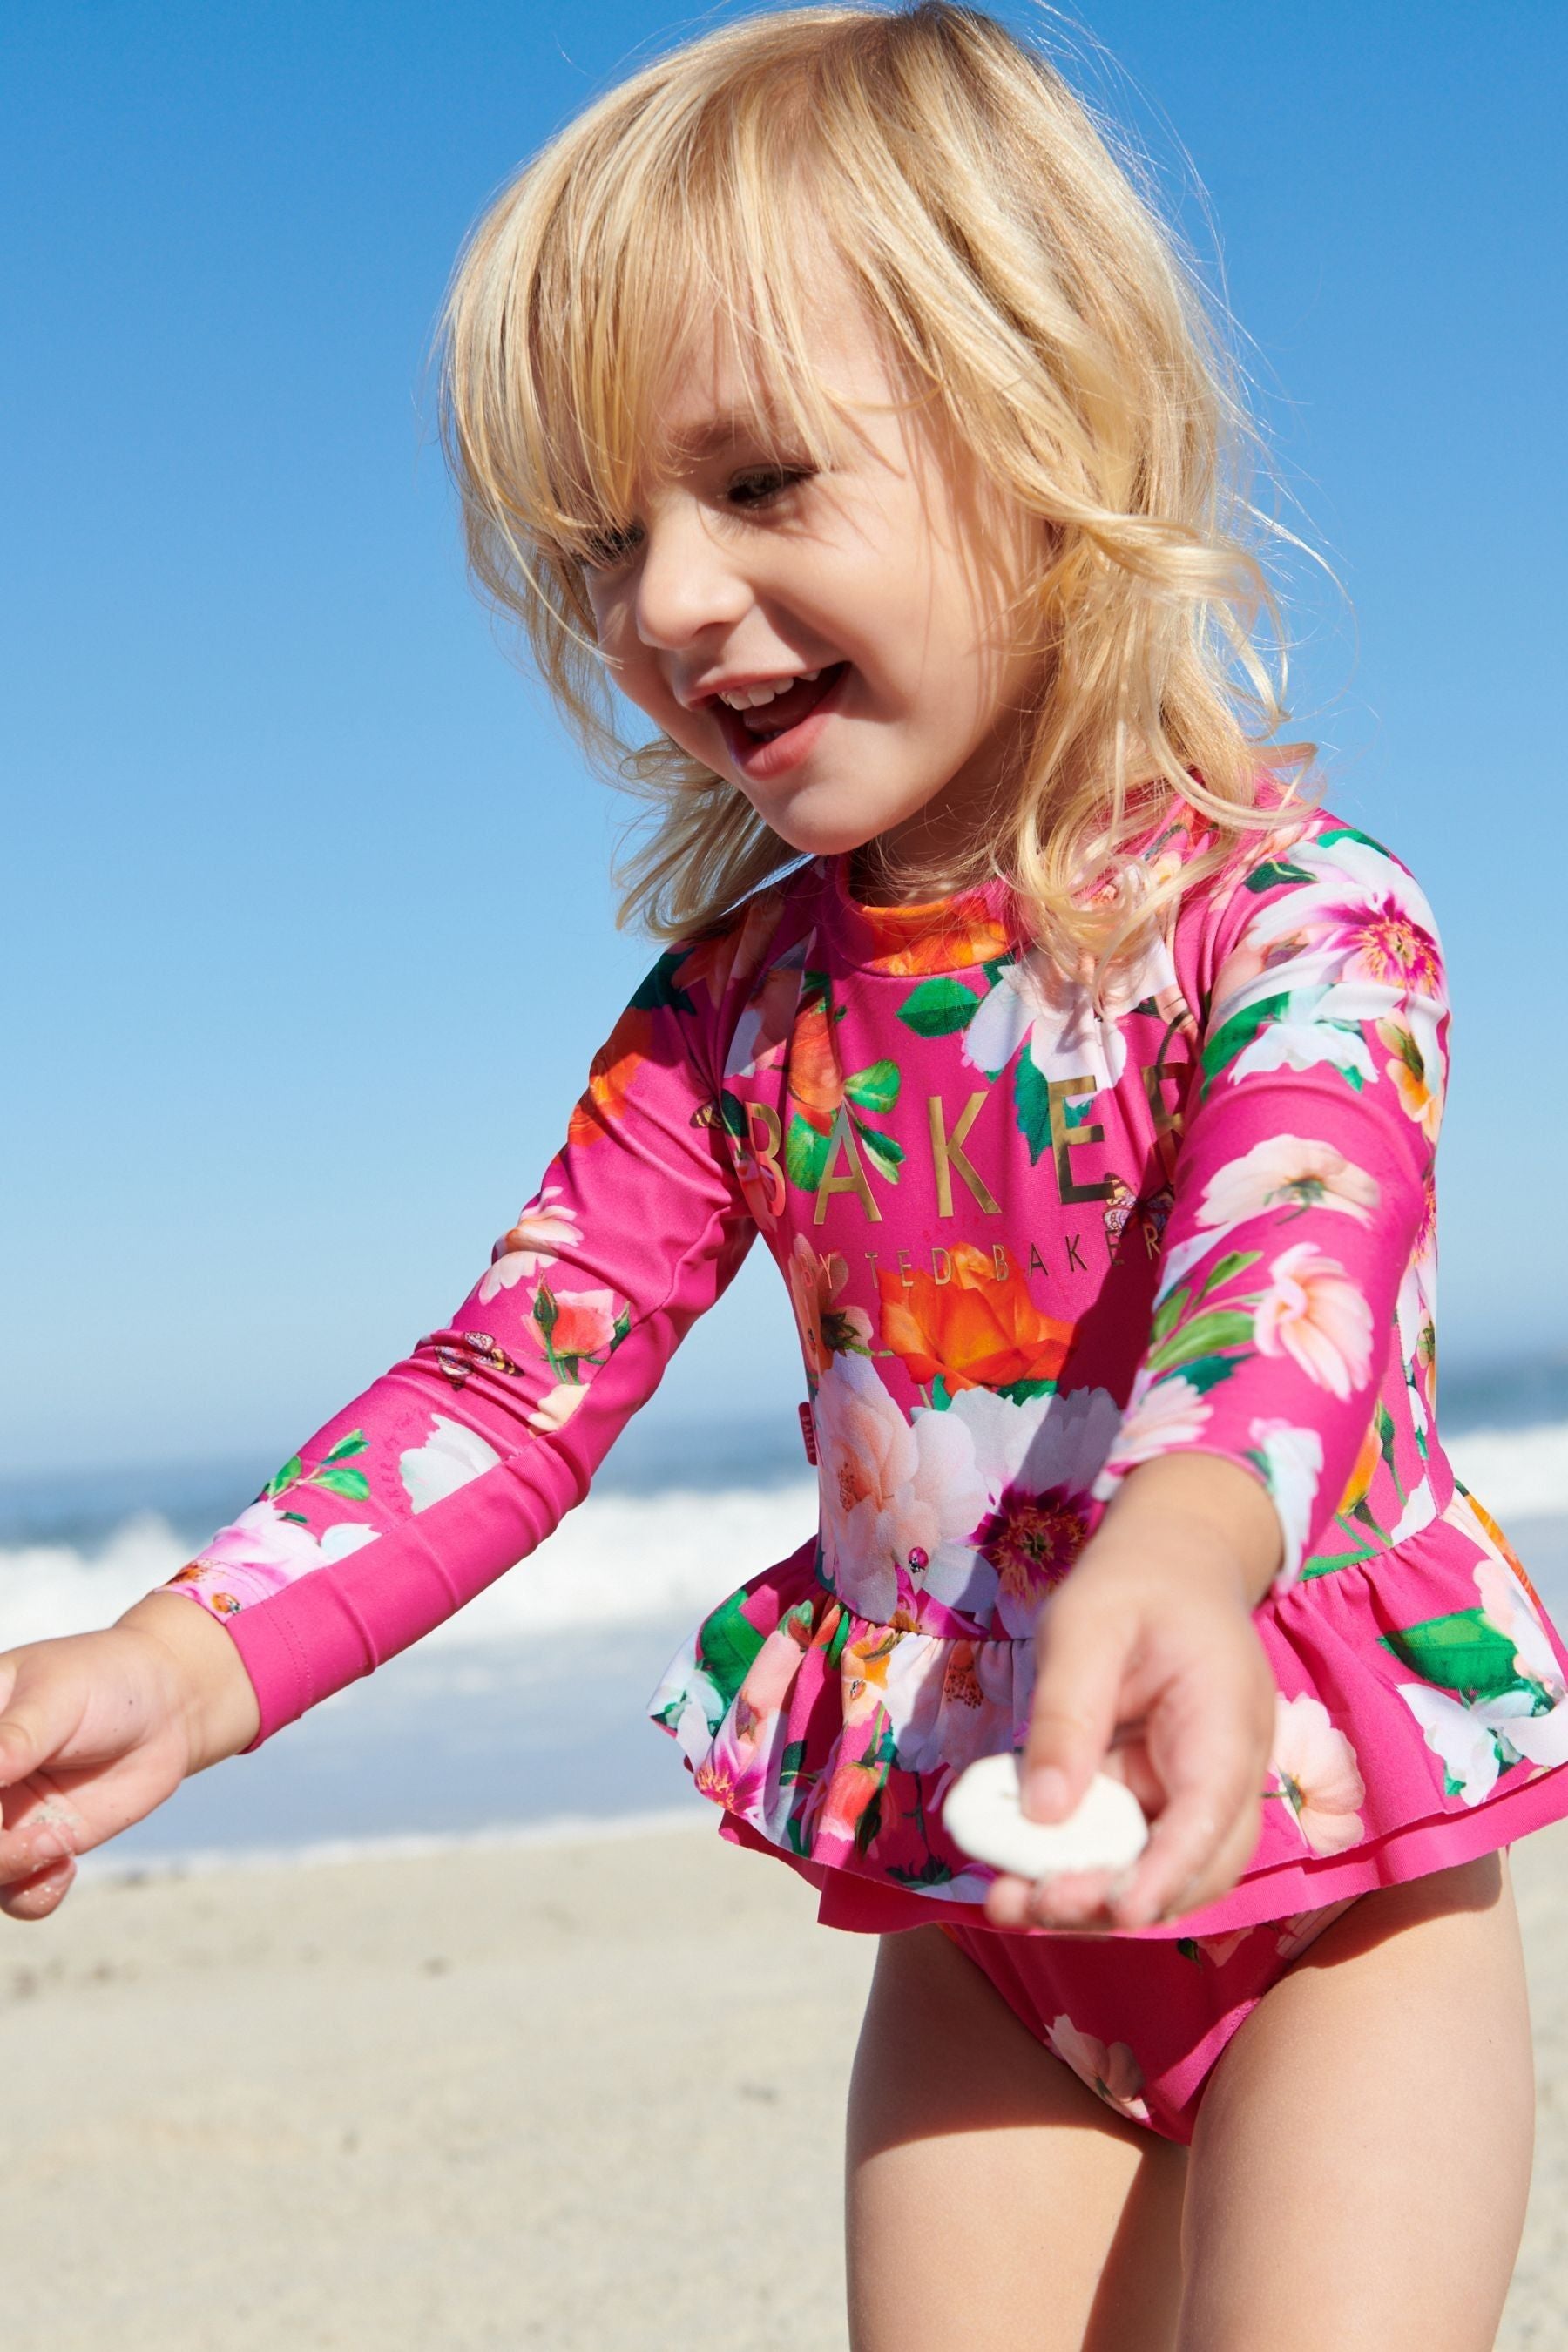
456 1463
1290 1320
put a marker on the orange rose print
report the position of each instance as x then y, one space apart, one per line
972 1331
816 1080
611 1076
940 937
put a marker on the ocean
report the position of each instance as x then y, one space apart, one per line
523 1716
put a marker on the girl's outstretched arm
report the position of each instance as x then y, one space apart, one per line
444 1473
1290 1350
456 1463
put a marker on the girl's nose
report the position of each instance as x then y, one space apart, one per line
686 582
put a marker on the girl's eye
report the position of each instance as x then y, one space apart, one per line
606 549
762 484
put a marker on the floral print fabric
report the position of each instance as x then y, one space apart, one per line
1030 1242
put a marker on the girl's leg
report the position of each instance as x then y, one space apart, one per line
992 2200
1362 2158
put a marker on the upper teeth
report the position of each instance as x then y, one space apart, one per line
749 698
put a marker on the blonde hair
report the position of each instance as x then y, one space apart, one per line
1024 285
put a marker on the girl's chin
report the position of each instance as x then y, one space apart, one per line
820 822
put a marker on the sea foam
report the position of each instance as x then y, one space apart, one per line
630 1558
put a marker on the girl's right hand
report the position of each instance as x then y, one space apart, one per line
96 1730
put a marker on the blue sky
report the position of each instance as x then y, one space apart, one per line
308 931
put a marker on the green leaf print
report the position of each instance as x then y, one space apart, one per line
732 1112
938 1008
285 1478
1220 1326
1205 1372
806 1153
886 1156
792 1763
1032 1099
353 1484
356 1442
876 1087
726 1644
1024 1391
1327 839
620 1329
1459 1652
1169 1312
658 988
1233 1263
1233 1036
1273 872
933 1872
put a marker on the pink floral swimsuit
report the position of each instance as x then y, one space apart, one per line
1029 1245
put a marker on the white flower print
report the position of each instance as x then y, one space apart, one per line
1505 1605
1292 1463
1035 1462
1288 1171
538 1235
950 1701
893 1491
1310 1028
1034 999
450 1457
1476 1742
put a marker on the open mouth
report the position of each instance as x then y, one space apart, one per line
747 731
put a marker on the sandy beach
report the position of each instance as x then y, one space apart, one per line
584 2094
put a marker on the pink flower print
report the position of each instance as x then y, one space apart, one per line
1288 1171
730 1777
815 1284
261 1551
1314 1313
1113 2073
1382 942
584 1322
557 1407
770 1678
1317 1775
1362 924
1416 1067
531 1244
892 1494
1161 1415
1218 1949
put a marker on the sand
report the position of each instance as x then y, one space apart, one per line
578 2095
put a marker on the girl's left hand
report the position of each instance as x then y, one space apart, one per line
1149 1667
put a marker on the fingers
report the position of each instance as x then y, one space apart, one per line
44 1892
1081 1657
1212 1761
41 1710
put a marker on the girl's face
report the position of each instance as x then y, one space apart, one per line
887 575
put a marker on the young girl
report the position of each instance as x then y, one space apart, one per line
830 392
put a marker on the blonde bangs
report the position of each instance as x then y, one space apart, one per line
1026 290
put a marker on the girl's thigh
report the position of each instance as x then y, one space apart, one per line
992 2200
1361 2162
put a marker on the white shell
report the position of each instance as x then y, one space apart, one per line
983 1815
